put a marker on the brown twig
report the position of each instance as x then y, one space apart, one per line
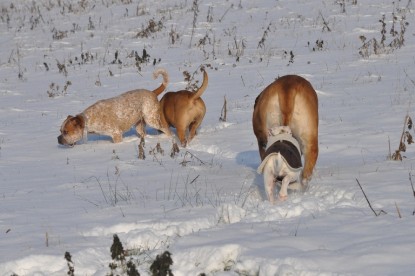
223 115
368 202
413 189
184 162
397 209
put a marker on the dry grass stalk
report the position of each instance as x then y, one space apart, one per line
141 154
223 113
406 138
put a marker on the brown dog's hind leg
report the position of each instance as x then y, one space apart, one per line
181 133
262 139
310 159
193 129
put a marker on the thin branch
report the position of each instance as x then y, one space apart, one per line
194 179
193 156
397 209
413 189
368 202
220 20
412 184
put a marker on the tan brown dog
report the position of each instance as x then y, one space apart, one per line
289 101
184 110
117 115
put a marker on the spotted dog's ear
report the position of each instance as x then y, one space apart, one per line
80 121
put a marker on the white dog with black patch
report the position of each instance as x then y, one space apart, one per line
282 162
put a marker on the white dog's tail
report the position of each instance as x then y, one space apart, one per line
162 87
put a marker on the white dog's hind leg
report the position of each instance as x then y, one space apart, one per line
283 194
269 183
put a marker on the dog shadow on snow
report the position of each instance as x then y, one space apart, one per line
251 159
130 134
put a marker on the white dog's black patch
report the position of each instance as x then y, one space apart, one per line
288 150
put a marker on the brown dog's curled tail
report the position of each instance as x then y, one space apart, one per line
162 87
202 88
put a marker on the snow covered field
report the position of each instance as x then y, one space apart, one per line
205 205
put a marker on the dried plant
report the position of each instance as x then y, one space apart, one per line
58 35
71 269
117 249
161 265
325 23
54 89
152 27
192 83
174 150
406 139
261 43
368 202
173 36
397 39
141 154
195 9
156 150
62 68
223 113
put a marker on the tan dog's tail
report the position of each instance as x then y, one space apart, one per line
202 88
162 87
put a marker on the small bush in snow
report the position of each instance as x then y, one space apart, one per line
397 39
71 269
161 265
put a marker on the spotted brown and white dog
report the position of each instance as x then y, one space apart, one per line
282 162
289 101
117 115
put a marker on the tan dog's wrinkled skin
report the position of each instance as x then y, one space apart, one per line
184 110
289 101
117 115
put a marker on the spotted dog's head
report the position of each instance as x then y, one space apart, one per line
72 130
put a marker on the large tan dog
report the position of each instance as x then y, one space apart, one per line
117 115
184 110
289 101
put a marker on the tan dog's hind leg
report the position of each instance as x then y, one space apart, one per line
193 128
262 138
310 159
181 133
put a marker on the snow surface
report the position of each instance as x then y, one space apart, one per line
205 205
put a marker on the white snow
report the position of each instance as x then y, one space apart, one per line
206 205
